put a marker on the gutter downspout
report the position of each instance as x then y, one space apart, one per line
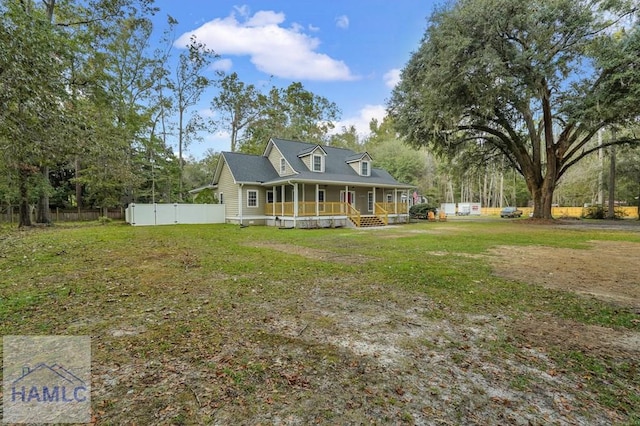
240 202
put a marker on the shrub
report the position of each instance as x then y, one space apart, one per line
421 211
206 196
104 220
601 212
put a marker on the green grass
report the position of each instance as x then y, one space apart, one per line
191 290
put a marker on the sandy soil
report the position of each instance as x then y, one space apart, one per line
580 271
443 369
334 354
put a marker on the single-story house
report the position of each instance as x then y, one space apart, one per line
299 184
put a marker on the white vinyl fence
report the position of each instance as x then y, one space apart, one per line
170 214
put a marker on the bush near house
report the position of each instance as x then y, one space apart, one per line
421 211
602 212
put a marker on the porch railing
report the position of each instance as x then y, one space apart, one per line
380 211
395 208
308 208
354 214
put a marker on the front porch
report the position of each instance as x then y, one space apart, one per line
327 214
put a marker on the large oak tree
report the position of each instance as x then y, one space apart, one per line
531 81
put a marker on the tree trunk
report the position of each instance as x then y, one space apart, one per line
78 185
181 165
611 213
600 171
43 214
542 197
638 200
25 216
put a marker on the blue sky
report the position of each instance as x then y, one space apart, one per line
348 51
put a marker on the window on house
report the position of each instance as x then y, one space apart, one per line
317 163
269 197
389 197
283 166
252 198
221 198
364 168
370 201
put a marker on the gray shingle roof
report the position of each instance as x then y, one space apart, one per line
356 157
255 168
309 150
336 168
249 168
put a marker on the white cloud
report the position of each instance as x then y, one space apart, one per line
264 18
342 22
222 65
242 10
207 113
392 78
362 120
273 48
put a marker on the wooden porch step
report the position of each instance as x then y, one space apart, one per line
369 221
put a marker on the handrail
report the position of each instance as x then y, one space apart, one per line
353 214
380 210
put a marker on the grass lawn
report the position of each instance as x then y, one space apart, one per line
209 324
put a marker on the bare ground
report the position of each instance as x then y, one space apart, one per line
444 371
333 354
580 271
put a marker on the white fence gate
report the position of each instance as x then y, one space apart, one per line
171 214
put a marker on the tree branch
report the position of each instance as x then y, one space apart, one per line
617 142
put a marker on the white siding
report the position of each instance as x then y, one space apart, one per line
274 157
227 186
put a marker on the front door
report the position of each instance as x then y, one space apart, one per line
351 197
348 197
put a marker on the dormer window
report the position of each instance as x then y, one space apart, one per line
313 157
318 163
364 168
360 163
283 166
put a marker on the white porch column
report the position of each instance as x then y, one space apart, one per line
295 200
317 199
282 202
395 200
346 198
374 200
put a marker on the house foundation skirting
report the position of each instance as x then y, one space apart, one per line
307 222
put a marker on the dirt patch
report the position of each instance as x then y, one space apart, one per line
316 254
580 271
437 369
412 233
592 339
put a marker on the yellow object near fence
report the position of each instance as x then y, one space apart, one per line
559 212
